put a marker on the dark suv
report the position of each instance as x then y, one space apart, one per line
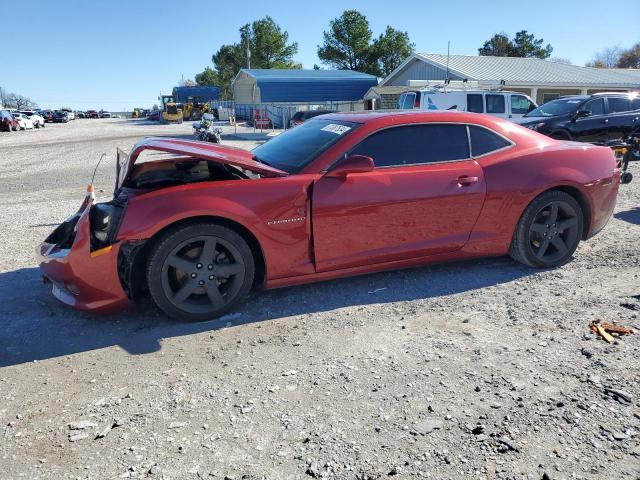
300 117
586 118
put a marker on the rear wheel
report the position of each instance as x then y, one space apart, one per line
549 231
200 271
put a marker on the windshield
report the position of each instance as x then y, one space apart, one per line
294 149
561 106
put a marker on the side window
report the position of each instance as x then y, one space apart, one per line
618 104
495 103
401 101
484 141
596 107
409 100
415 144
520 104
474 103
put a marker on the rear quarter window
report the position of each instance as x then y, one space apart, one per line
484 141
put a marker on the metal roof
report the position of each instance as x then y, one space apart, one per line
204 93
310 85
527 71
275 75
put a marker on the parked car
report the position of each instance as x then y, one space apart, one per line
24 122
154 115
47 115
92 114
499 103
300 117
69 112
37 119
103 114
339 195
7 122
588 118
60 117
80 114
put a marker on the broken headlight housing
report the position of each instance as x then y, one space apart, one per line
104 219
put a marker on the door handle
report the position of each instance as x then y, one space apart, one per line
465 180
606 120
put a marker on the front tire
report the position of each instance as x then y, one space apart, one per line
200 271
549 231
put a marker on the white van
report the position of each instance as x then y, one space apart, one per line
498 103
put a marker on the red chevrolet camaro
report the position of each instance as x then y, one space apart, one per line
197 225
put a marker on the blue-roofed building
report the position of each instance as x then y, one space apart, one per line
203 93
276 94
255 86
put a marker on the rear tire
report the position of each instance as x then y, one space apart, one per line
200 271
549 231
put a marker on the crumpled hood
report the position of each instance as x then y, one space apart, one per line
191 148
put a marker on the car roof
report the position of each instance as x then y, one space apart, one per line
409 115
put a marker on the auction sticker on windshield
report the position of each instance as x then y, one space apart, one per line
335 128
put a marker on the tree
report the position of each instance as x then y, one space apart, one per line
268 45
187 83
630 58
617 57
497 46
19 102
263 44
348 45
207 77
390 49
607 58
527 45
523 44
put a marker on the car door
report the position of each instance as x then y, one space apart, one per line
422 198
621 117
593 127
519 105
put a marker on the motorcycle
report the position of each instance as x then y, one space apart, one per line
626 149
205 131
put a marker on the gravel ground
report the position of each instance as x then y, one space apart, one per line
481 369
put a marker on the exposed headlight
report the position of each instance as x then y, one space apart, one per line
101 217
535 126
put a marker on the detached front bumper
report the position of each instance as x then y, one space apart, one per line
80 278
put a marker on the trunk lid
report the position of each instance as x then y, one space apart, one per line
205 151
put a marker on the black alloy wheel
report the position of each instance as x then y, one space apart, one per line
549 230
200 272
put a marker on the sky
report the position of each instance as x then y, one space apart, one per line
120 54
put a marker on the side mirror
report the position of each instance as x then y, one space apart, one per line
351 164
583 113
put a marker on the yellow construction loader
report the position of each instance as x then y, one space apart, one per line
171 111
194 108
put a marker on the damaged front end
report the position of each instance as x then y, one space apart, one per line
89 266
80 262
